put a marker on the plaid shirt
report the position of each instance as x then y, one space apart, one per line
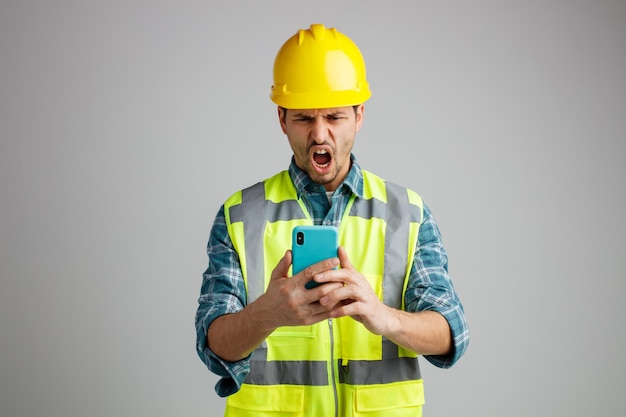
223 291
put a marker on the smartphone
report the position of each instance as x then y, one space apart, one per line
312 244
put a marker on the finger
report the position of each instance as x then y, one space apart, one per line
343 258
325 292
341 293
282 269
316 270
347 308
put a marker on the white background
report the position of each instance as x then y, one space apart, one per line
125 124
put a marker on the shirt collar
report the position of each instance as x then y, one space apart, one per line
304 184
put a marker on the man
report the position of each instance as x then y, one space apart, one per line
350 345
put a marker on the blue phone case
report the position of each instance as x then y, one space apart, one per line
312 244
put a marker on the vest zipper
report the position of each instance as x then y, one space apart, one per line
332 366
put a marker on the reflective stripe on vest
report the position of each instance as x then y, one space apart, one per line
250 212
392 369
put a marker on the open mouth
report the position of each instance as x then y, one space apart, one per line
321 158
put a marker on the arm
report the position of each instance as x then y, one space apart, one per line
225 333
424 332
234 336
433 322
430 288
222 292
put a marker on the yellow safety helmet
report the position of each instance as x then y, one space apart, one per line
319 68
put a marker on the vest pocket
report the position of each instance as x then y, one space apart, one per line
266 401
402 398
293 343
290 332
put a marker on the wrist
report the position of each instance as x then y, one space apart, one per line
394 325
257 317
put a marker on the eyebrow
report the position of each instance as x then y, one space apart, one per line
332 113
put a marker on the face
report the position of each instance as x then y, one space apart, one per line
322 140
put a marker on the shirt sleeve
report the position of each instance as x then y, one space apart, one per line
430 288
222 292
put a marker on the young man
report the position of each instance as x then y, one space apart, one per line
350 345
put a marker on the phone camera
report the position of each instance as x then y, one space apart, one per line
300 238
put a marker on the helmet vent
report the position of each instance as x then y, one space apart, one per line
318 31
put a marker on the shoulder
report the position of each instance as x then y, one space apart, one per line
257 188
374 181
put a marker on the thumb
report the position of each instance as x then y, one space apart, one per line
282 269
343 258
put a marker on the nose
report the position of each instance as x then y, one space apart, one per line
319 130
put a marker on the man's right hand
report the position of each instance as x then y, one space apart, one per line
287 302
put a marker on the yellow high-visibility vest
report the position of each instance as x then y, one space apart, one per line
335 367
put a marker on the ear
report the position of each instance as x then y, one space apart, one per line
360 110
282 118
